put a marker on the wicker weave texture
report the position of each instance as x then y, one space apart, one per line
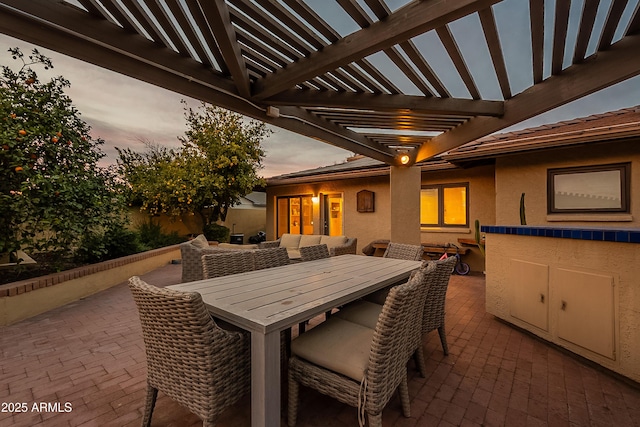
434 310
404 251
189 358
388 357
273 257
226 263
192 260
309 253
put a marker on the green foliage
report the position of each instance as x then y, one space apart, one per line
478 238
523 217
217 164
152 235
216 232
113 242
52 191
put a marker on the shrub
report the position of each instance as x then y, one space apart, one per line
216 232
114 242
153 236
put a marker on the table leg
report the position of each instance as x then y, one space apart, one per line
265 379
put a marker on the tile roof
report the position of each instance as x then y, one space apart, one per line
613 125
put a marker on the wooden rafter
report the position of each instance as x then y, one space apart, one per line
488 22
609 67
407 22
384 102
245 55
217 14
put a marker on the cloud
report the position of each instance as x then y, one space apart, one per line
124 111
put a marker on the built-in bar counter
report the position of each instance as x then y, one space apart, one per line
578 287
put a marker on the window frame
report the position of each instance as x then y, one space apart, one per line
440 188
625 187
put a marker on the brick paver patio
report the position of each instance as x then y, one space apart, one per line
89 356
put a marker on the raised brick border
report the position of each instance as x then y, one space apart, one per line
35 283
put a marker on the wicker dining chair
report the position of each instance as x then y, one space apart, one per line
309 253
434 309
189 357
272 257
365 312
404 251
226 263
356 365
396 251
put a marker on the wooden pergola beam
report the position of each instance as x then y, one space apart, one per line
387 102
620 62
98 44
409 21
217 13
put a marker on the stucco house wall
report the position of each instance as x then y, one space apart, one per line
579 292
527 173
370 226
364 226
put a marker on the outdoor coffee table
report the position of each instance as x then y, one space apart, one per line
268 301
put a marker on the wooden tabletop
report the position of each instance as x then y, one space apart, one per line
280 297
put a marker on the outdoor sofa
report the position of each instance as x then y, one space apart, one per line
193 250
337 245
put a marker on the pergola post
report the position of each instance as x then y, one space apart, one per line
405 183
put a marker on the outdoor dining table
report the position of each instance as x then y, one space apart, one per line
266 302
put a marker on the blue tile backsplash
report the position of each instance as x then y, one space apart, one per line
631 235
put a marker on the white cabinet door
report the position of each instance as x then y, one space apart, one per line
586 310
529 290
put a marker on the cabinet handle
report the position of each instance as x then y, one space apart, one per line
542 298
564 305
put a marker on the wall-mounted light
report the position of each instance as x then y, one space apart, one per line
315 199
404 159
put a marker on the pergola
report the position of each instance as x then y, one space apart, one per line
376 79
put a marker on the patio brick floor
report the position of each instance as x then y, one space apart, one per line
90 353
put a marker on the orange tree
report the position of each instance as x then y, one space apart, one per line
52 191
217 163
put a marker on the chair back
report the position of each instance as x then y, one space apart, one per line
404 251
226 263
273 257
393 335
434 309
188 356
309 253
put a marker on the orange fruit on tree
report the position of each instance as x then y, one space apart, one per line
18 169
54 139
22 132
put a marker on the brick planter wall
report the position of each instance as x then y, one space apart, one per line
26 298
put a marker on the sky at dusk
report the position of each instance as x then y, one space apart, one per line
124 112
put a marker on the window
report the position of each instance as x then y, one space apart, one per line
589 189
295 215
444 205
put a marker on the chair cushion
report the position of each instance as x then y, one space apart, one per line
290 241
200 242
333 241
309 240
337 345
364 313
293 253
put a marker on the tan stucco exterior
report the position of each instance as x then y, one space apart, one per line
607 317
369 226
580 294
527 173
